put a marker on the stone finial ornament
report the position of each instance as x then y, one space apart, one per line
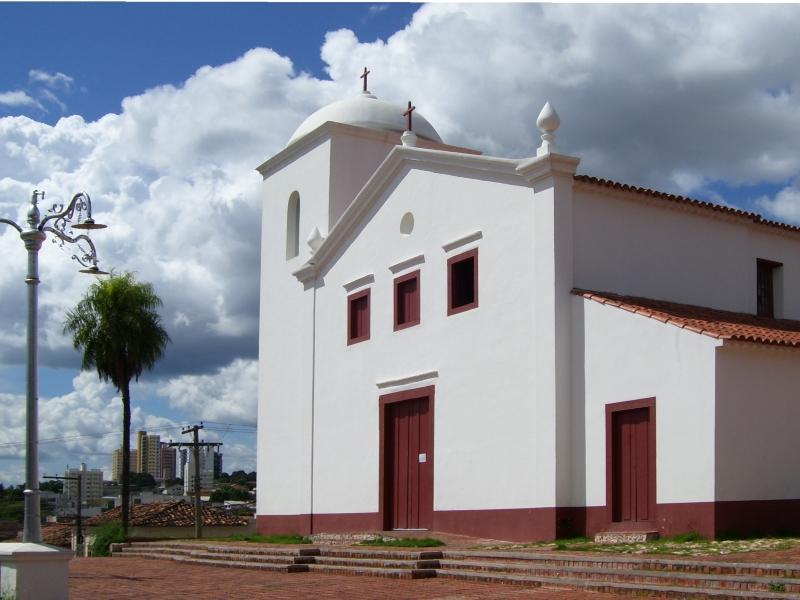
547 122
315 240
408 138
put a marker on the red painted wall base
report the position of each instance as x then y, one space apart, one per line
711 519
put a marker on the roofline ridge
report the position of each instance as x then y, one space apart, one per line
755 217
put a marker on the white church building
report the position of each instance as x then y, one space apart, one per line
503 348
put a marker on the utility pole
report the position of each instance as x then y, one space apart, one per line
79 531
196 444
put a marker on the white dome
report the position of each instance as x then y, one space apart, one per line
366 110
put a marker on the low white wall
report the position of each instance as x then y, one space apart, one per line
625 356
758 416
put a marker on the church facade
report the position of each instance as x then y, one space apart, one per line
504 348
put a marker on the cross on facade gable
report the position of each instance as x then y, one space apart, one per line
364 77
408 114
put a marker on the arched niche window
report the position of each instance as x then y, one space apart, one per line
293 226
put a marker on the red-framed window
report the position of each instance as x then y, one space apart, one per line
358 317
462 282
406 301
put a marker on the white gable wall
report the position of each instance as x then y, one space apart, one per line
620 356
485 410
651 248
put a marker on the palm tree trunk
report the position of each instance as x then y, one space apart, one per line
126 453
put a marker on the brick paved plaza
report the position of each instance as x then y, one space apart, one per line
143 579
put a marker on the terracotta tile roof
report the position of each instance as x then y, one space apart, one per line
720 324
57 534
730 210
168 514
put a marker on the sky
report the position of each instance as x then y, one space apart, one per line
161 112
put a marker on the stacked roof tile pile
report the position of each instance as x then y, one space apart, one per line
57 534
168 514
720 324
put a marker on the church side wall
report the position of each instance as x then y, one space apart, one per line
650 248
757 446
621 357
481 359
285 339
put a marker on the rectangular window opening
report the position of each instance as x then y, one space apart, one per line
462 282
766 271
358 317
406 301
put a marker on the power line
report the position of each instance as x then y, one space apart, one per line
228 428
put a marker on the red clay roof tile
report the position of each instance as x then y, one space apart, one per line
720 324
167 514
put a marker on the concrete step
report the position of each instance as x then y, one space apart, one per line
249 564
636 589
403 573
632 562
666 578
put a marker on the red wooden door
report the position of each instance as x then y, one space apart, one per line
408 469
631 465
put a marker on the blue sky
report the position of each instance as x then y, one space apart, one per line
114 50
162 111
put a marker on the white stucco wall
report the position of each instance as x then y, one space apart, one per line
354 158
285 334
485 455
622 356
650 248
758 415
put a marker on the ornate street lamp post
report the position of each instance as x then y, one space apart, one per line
60 222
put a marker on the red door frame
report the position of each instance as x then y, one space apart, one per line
385 400
649 403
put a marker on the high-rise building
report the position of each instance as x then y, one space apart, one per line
149 457
91 484
116 464
168 460
217 464
206 471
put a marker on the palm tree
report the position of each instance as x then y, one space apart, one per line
118 327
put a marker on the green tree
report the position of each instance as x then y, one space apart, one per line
118 327
143 480
229 492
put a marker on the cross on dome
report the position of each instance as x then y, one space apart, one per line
364 77
408 114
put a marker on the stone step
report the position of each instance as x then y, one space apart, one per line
405 573
223 548
625 537
240 564
368 553
632 562
230 554
636 589
668 578
678 578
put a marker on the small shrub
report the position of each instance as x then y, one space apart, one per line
107 534
278 538
777 587
403 542
682 538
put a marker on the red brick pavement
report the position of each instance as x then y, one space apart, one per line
139 579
